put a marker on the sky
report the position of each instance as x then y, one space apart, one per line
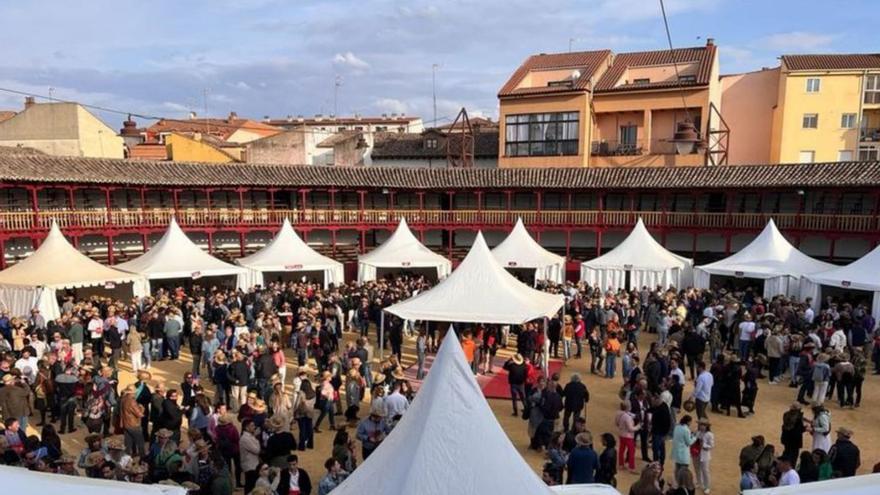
282 58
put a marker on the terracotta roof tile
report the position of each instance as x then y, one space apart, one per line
586 62
832 61
148 151
50 169
703 55
221 128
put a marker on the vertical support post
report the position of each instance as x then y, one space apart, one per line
363 241
241 239
382 335
2 253
71 201
108 206
145 241
35 206
210 242
241 205
333 242
567 244
599 243
546 351
110 257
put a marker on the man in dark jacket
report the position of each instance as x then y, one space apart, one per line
576 397
516 378
294 479
661 424
171 416
582 462
845 456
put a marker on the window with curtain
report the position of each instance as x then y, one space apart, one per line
542 134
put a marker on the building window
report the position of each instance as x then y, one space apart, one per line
872 89
845 156
687 79
431 143
808 156
381 128
869 154
811 120
848 121
643 80
541 134
813 85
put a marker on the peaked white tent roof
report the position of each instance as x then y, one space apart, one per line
286 253
401 250
770 257
649 263
55 265
479 290
176 256
20 480
447 442
520 250
861 274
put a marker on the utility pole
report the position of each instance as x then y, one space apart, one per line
571 43
205 101
434 68
336 86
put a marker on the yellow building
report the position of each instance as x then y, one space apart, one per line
600 109
828 109
183 148
61 129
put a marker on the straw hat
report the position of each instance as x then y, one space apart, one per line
398 374
164 433
115 444
704 421
94 459
378 378
201 445
259 406
8 378
276 378
275 423
376 409
138 468
845 432
168 483
518 359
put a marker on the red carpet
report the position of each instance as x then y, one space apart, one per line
493 386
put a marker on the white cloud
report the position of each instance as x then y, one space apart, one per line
798 41
349 59
391 105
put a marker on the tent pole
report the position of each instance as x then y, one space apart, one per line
546 353
382 335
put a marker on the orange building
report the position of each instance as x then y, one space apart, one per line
600 109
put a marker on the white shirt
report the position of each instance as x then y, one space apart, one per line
746 330
395 404
789 477
96 328
809 315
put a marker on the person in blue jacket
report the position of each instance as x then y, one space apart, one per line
583 462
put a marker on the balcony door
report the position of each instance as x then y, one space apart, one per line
629 135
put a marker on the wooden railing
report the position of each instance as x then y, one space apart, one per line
220 218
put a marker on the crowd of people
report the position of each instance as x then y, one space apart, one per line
235 419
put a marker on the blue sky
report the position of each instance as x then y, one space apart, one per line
281 57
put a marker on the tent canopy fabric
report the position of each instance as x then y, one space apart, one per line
176 256
286 253
447 442
649 264
55 265
20 480
520 250
861 274
479 290
401 250
856 485
769 257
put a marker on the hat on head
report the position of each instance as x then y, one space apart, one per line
259 406
276 423
201 445
844 432
584 438
144 375
517 358
115 444
94 459
138 468
376 409
398 374
164 433
378 378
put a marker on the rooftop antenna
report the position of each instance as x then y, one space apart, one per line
336 84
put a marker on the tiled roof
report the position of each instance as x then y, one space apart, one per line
148 151
401 145
586 62
832 61
7 114
703 55
384 120
222 128
338 137
77 170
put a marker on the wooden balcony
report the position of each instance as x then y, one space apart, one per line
157 218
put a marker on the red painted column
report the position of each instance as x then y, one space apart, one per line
210 242
598 243
363 241
568 242
241 239
110 256
2 253
333 242
108 206
145 241
71 202
240 204
35 205
539 198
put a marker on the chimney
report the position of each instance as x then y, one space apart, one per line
129 128
232 116
710 41
29 101
193 115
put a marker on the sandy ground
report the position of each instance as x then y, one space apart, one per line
731 433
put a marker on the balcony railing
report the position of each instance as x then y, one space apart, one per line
618 148
872 97
23 221
870 134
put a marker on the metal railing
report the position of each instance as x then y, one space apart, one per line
220 218
618 148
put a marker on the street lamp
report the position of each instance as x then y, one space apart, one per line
686 138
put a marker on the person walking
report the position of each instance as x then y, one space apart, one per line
517 372
704 458
702 394
682 439
820 427
793 429
576 398
844 455
626 429
583 462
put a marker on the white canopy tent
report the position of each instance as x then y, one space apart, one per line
648 263
520 250
480 290
769 257
56 265
857 485
175 256
20 480
448 441
288 253
862 274
401 251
